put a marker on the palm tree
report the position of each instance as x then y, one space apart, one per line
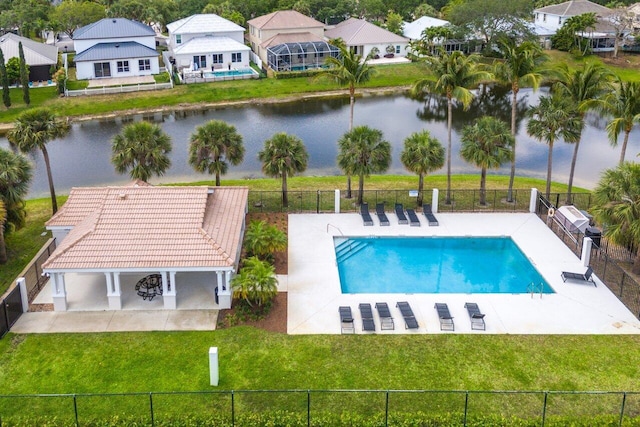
33 129
583 87
141 149
213 146
454 74
262 240
617 204
363 151
553 118
3 245
487 143
422 154
623 105
520 65
349 69
256 283
283 155
15 175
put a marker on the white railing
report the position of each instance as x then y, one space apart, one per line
106 90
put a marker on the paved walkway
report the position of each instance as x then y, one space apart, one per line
117 81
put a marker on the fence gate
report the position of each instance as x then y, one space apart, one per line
10 310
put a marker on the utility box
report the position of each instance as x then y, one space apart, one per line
595 234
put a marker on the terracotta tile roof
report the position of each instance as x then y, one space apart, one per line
284 19
291 38
150 227
358 32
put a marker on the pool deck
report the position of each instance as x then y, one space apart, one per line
314 293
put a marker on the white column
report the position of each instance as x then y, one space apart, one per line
434 201
533 200
213 365
24 295
169 290
113 292
59 292
224 291
336 200
586 251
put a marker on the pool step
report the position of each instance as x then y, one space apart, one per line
349 248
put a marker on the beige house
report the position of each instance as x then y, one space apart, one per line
283 26
134 243
362 36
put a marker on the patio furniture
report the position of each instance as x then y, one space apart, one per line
431 218
446 320
366 216
476 317
368 325
149 287
386 320
402 219
581 277
410 321
382 217
346 320
414 221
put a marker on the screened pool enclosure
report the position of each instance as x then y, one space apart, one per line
300 56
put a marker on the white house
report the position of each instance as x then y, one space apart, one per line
115 47
362 36
553 17
413 30
207 42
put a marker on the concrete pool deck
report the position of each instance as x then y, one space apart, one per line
314 292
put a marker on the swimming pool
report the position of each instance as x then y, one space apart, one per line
229 73
434 265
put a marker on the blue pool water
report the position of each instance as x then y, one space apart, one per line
228 73
434 265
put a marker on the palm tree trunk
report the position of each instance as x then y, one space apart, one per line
285 198
360 188
572 170
420 187
348 186
352 102
52 190
624 145
449 126
635 268
514 110
217 179
547 190
483 184
3 246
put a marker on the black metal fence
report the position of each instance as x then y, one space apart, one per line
32 273
326 408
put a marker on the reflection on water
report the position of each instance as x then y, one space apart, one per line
83 157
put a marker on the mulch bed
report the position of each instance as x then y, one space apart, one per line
274 321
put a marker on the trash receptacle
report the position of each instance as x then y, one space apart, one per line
216 290
595 234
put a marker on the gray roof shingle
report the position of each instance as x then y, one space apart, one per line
113 28
34 53
105 51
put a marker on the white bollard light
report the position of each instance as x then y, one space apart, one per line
213 365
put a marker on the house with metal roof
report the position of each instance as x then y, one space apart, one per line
362 36
115 47
413 30
118 247
39 57
207 42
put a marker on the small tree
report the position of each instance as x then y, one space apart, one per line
4 80
142 149
213 146
24 75
394 22
422 154
13 70
15 176
3 245
262 240
256 283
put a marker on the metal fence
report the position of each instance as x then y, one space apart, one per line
32 273
326 408
105 90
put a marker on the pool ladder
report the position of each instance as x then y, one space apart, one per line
535 289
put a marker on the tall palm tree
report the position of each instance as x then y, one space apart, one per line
15 175
422 154
283 155
454 75
141 149
213 146
33 129
553 118
623 105
520 67
363 151
352 70
487 143
583 87
617 204
3 245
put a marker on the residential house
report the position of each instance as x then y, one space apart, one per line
119 247
414 30
115 47
207 42
41 58
362 36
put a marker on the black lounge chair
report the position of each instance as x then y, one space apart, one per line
476 317
386 320
402 219
346 320
414 221
586 277
368 324
431 218
446 320
382 217
366 216
410 321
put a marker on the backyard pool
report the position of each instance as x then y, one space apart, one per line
229 73
435 265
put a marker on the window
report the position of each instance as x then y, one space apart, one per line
398 49
537 16
123 66
216 58
102 69
253 30
144 64
544 17
178 38
236 57
200 61
559 20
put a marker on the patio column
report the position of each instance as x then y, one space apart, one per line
587 243
224 291
434 201
336 200
533 200
169 290
113 291
59 292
